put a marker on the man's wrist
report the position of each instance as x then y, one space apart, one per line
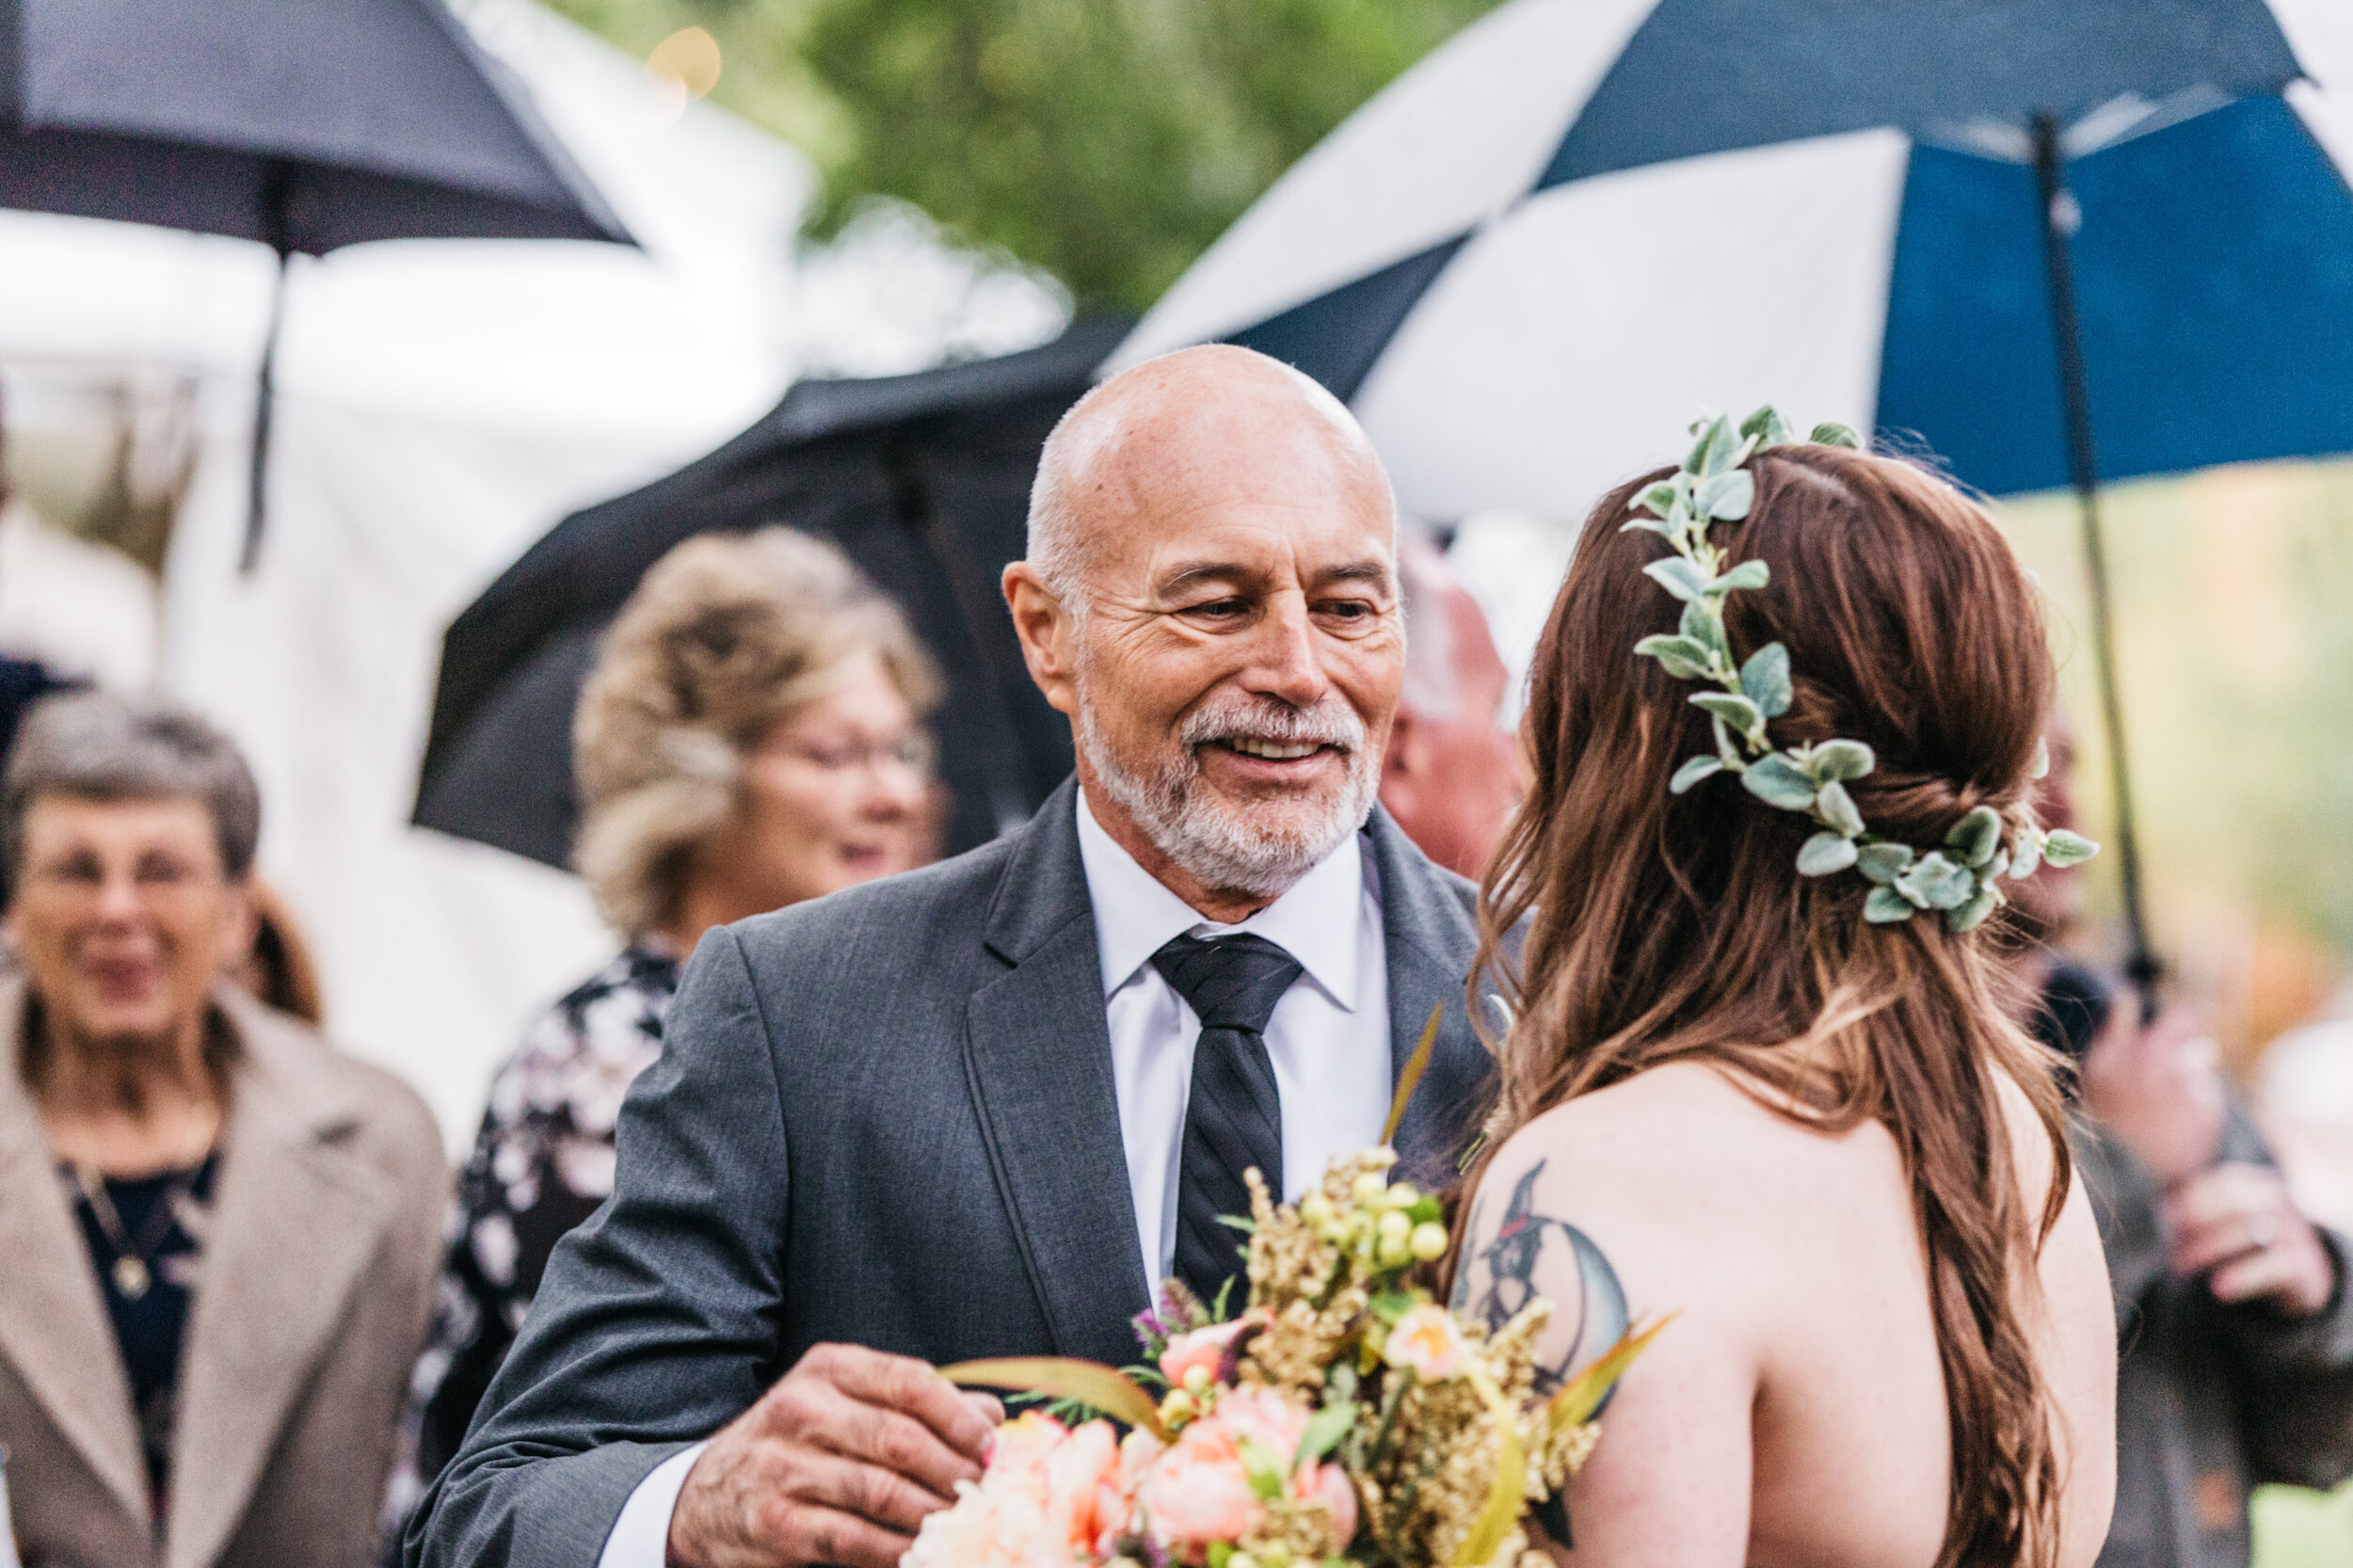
640 1538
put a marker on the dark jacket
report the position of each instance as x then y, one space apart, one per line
2211 1400
885 1117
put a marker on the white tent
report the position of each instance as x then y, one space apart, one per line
439 406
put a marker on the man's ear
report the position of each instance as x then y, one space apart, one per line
1046 629
1402 763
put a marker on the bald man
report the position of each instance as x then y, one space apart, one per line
987 1108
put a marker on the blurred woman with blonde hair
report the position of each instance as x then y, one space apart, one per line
751 736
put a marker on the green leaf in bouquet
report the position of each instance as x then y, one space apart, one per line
1825 854
1777 781
1725 497
1678 576
1582 1396
1410 1077
1738 711
1843 759
1747 574
1884 863
1838 809
1885 906
1507 1495
2063 849
1832 433
1693 772
1325 1429
1977 836
1263 1466
1089 1383
1685 659
1765 679
1389 1305
1221 1553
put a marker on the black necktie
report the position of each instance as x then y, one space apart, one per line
1234 1119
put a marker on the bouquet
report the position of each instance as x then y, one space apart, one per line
1342 1417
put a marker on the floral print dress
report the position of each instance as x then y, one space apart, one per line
542 1164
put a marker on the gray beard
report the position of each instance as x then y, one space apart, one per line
1224 849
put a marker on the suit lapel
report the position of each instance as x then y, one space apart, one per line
1038 1058
53 1321
295 1217
1431 940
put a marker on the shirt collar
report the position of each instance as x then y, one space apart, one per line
1135 913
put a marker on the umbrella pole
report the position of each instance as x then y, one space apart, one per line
275 190
2141 965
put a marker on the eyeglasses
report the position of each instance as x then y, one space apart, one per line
81 877
912 752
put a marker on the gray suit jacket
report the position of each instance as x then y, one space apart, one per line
316 1279
886 1117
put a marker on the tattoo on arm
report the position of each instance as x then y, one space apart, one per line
1498 1278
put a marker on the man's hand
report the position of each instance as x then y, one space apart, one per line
2239 1222
838 1463
2157 1091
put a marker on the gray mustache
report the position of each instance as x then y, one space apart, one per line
1332 725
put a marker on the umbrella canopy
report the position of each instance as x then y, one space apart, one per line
1533 259
306 127
923 479
2056 240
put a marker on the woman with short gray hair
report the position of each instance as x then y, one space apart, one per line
173 1384
751 736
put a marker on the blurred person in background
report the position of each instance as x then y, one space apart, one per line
1452 774
220 1236
276 969
2234 1333
752 736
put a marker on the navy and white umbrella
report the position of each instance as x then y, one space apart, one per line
2055 239
1532 258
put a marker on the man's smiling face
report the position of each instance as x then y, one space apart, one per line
1236 660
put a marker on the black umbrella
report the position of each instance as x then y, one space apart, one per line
305 127
924 480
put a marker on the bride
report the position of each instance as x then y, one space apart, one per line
1784 1104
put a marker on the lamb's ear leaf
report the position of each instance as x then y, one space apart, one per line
1825 854
1885 906
1725 497
1981 904
1678 576
1838 809
2063 849
1832 433
1685 659
1883 863
1738 711
1977 836
1693 772
1765 679
1777 781
1747 574
1838 760
1767 429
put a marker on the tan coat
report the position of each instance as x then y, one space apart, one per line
316 1281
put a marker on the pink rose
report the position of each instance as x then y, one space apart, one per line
1266 1416
1203 1347
1331 1484
1429 1343
1199 1491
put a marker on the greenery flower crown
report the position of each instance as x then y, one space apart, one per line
1963 877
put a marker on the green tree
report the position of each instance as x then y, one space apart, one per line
1107 140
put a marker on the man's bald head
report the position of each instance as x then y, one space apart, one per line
1210 595
1186 431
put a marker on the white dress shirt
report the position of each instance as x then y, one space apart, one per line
1329 1041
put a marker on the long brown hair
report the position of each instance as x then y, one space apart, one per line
1630 927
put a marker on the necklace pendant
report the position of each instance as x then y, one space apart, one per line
132 1278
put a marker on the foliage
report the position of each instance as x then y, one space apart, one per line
1107 140
1713 486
